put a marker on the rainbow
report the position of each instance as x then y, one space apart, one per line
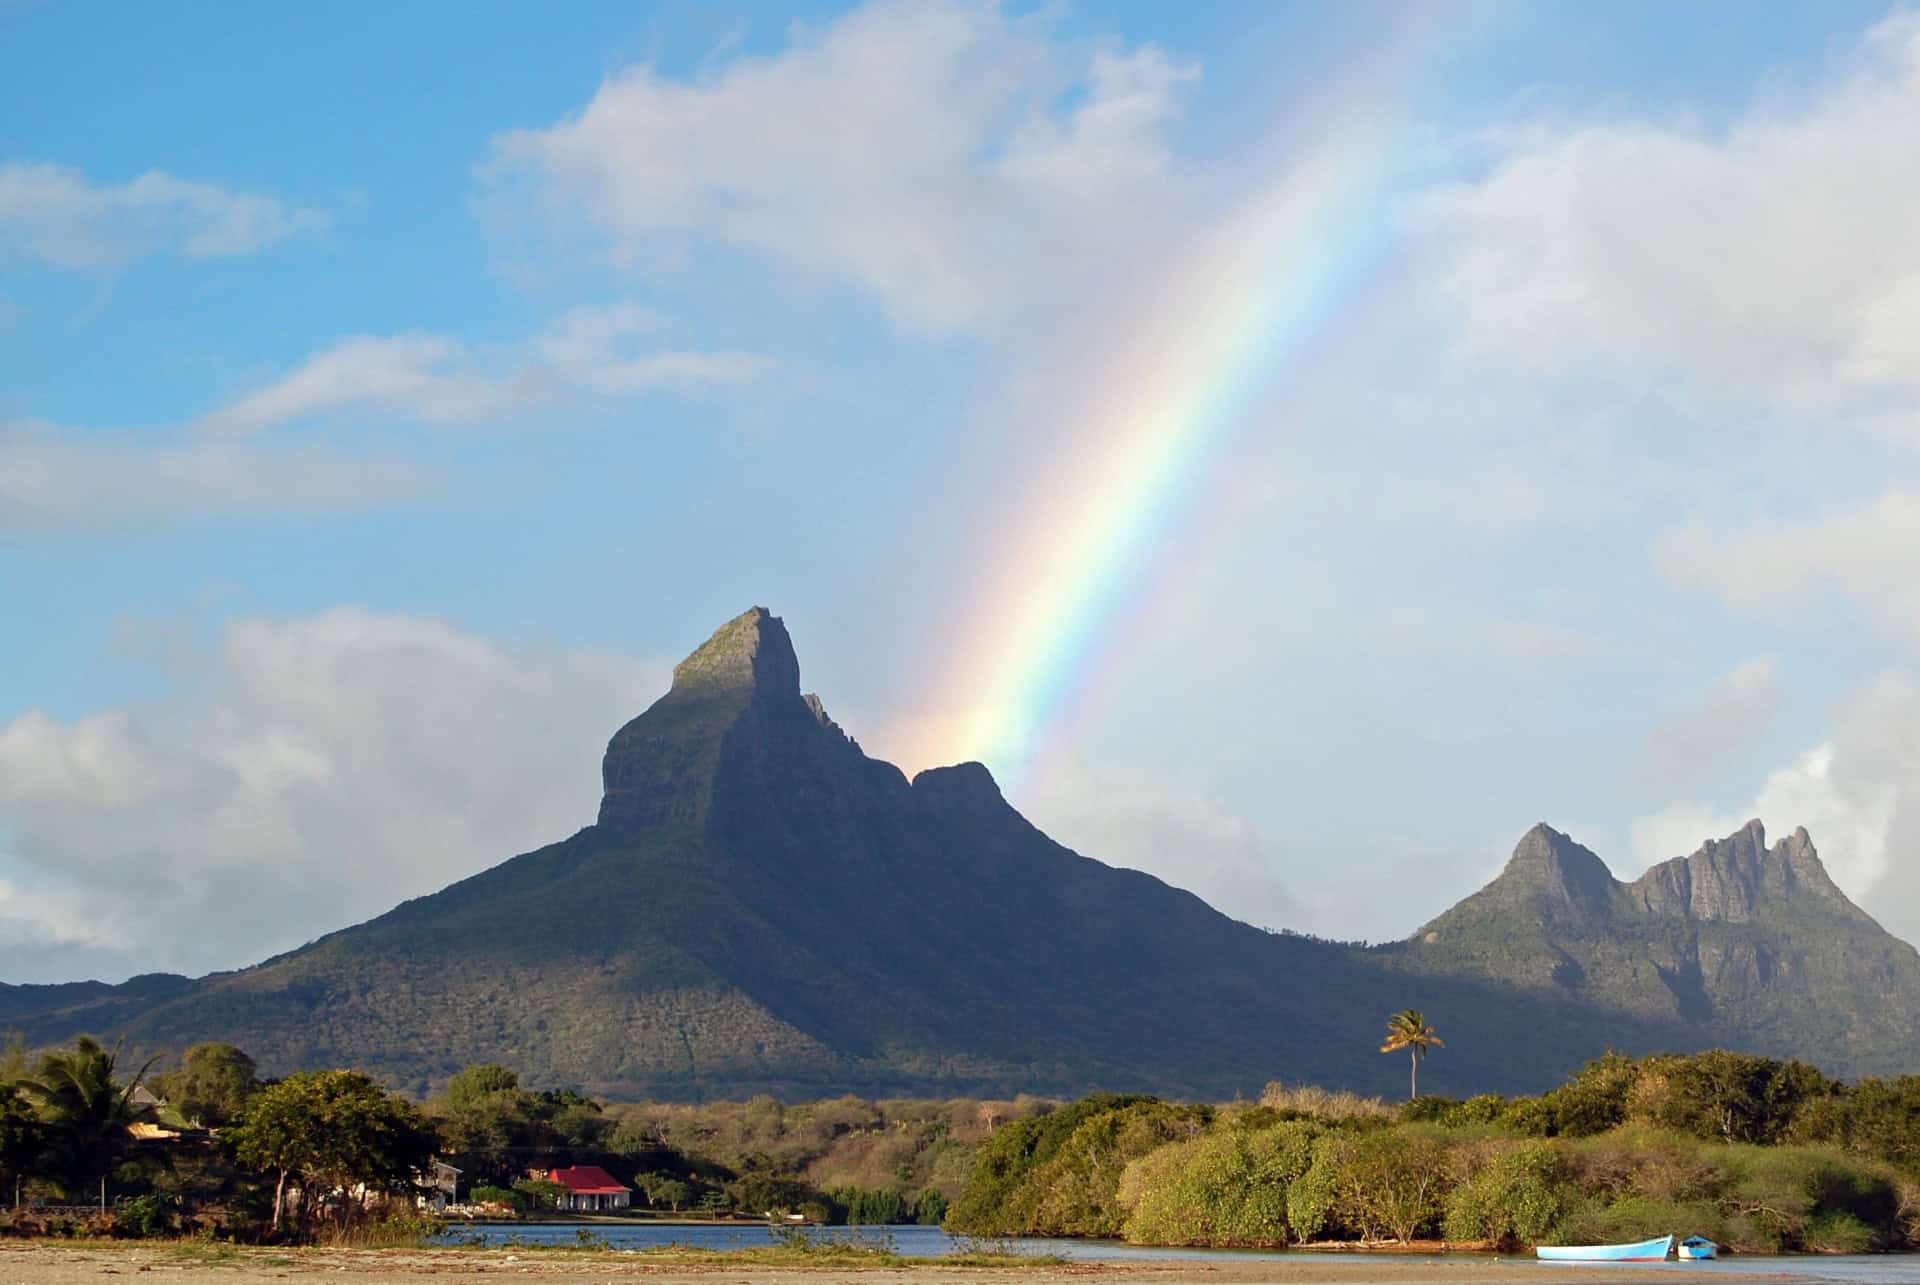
1228 320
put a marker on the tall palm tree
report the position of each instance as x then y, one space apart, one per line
88 1115
1408 1029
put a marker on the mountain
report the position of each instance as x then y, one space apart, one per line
759 906
1747 944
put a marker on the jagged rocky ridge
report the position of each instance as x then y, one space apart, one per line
760 906
1750 945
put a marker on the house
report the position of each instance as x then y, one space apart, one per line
442 1183
589 1188
147 1131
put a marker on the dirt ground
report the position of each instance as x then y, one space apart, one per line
40 1263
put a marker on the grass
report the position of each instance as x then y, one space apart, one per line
1325 1104
206 1253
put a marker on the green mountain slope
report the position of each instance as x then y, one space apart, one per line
1748 945
760 906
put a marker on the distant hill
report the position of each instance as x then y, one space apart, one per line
1747 945
761 907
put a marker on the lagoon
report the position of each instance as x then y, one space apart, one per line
931 1242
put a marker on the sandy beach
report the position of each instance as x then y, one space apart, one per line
45 1264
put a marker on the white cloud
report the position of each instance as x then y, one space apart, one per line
55 479
1685 746
1191 842
54 214
437 379
1774 254
914 147
336 765
1858 794
1870 553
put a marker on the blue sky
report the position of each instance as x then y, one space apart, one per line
389 395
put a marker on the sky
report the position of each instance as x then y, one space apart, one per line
1296 447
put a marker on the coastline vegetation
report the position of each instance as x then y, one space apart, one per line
1760 1155
91 1147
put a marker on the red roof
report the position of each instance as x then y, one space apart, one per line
586 1180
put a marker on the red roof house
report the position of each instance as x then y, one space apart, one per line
589 1187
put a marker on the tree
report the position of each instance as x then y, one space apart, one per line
665 1189
1408 1029
212 1085
335 1131
87 1114
469 1086
22 1138
1736 1097
540 1193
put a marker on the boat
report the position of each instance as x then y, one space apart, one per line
1644 1251
1698 1247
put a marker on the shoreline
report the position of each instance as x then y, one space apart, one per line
56 1263
1387 1249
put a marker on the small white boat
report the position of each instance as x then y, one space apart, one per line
1698 1247
1641 1251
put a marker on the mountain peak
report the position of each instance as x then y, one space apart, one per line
964 786
1565 878
1729 879
751 651
662 766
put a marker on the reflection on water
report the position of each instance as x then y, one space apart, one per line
1865 1269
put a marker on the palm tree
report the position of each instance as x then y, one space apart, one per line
1408 1029
88 1115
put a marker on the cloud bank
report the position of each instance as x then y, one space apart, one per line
54 214
437 379
916 148
60 481
1772 256
333 766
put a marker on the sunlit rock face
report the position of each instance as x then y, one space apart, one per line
1753 944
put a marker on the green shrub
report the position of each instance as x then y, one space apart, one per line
1791 1195
1601 1222
141 1218
1314 1198
998 1200
868 1206
761 1193
1515 1197
930 1207
1593 1100
1228 1188
1837 1233
1428 1108
487 1195
538 1193
1059 1174
1732 1097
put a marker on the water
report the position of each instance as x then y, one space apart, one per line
931 1242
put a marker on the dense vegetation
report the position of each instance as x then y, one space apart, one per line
1756 1153
272 1159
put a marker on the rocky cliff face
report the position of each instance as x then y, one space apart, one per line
1752 945
1737 878
1554 879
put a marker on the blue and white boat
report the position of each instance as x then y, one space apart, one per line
1698 1247
1644 1251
